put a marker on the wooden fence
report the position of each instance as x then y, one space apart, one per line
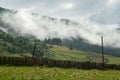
28 61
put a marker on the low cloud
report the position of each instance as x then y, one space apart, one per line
25 22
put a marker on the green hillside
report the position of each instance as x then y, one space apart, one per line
64 53
19 46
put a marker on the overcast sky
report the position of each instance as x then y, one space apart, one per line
100 11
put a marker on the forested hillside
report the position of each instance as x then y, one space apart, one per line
18 45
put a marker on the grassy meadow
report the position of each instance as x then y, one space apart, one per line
44 73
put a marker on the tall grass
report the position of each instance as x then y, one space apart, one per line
44 73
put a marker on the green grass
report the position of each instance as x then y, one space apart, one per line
44 73
113 60
15 54
64 53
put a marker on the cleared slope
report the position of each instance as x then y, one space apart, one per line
64 53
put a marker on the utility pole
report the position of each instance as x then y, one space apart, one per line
34 50
102 50
33 55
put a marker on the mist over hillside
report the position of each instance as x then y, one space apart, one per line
23 22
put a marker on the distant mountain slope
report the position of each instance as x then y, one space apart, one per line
78 43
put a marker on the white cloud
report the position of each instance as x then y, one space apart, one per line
97 10
112 2
68 6
25 23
